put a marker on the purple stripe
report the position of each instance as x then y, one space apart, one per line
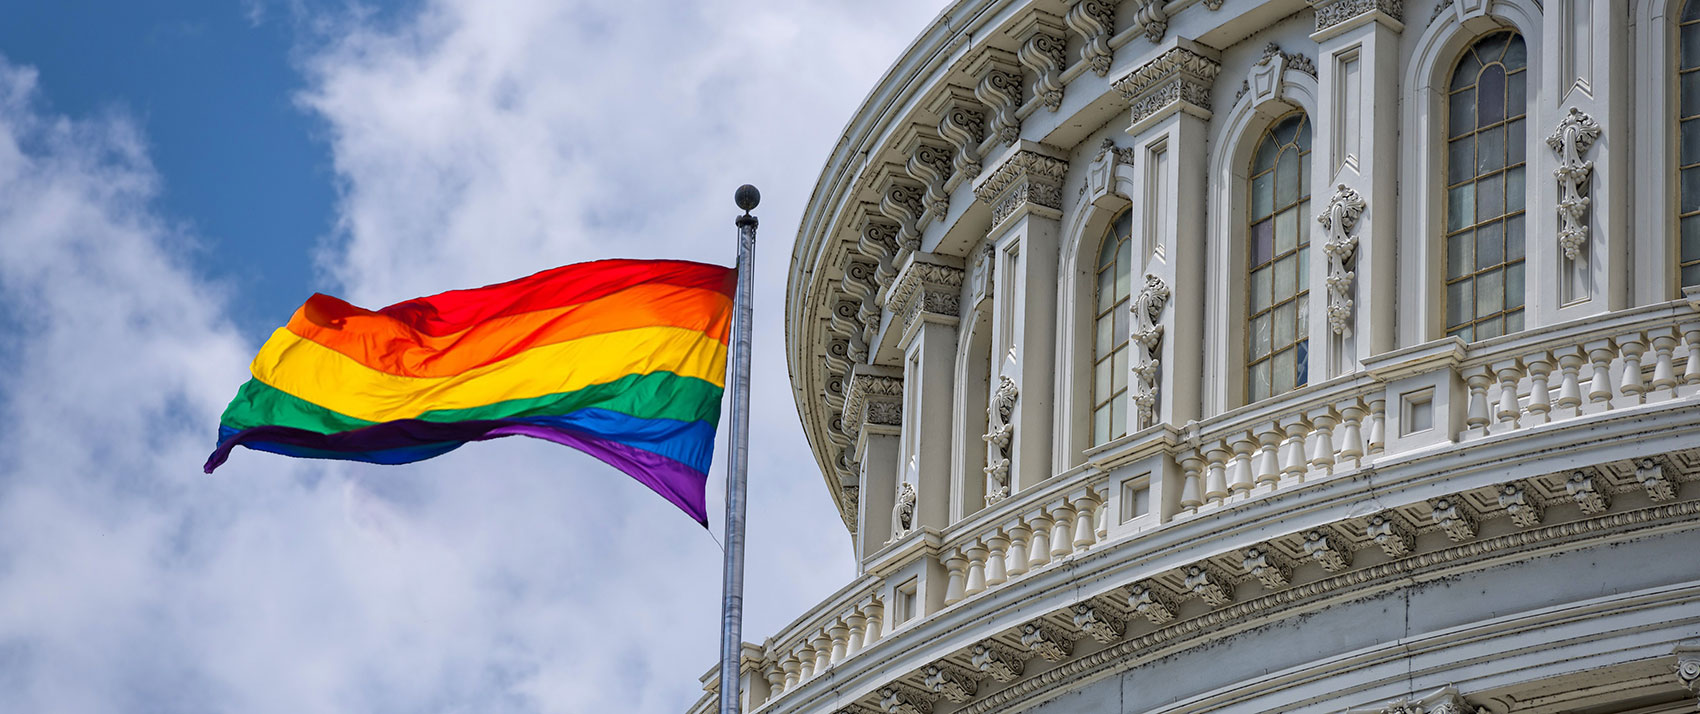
681 485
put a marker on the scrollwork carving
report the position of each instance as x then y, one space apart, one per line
1000 431
1148 333
1573 137
1095 21
1338 219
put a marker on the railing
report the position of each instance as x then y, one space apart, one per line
1575 370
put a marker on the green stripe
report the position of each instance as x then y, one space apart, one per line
657 395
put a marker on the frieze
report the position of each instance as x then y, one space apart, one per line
1334 12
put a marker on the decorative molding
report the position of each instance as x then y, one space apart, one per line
1650 473
929 288
1338 219
999 88
1441 701
997 661
1388 532
1687 669
1268 566
1290 60
1176 80
1439 8
900 698
1046 641
1152 17
1589 492
1454 518
1334 12
931 165
955 683
1209 584
1322 546
1095 22
980 278
1044 50
1573 137
1025 178
1148 334
903 513
1101 173
1522 503
872 398
963 124
1146 599
901 201
1098 623
1000 431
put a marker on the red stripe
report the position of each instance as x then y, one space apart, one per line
457 310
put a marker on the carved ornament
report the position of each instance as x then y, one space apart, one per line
1338 219
1571 140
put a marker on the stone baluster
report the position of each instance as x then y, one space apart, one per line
1018 535
1508 372
823 652
1351 431
1664 369
956 584
1266 467
976 570
1040 552
1062 530
805 655
792 666
876 619
1600 354
1085 513
1570 360
775 680
1293 461
1476 414
1101 519
1240 479
1632 386
1691 366
1191 465
858 624
1216 479
1322 420
1539 366
1377 424
839 633
997 545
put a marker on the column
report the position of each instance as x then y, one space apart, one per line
873 415
925 303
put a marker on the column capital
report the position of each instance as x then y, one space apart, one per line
873 398
1178 80
928 288
1336 16
1027 179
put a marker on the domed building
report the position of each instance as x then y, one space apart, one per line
1258 356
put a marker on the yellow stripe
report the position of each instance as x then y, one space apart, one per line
330 379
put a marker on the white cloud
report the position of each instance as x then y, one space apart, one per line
474 141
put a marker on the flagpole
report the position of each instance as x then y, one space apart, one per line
732 602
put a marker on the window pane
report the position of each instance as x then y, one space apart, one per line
1513 322
1463 112
1304 269
1468 68
1691 11
1304 175
1106 289
1514 190
1690 41
1464 333
1691 237
1265 159
1690 153
1284 131
1262 196
1260 336
1460 207
1516 56
1302 349
1286 277
1516 142
1124 225
1303 140
1287 179
1284 369
1460 254
1690 94
1102 345
1260 381
1490 292
1124 267
1490 95
1118 330
1691 275
1304 317
1285 321
1107 253
1488 329
1101 425
1690 187
1459 301
1262 242
1490 245
1514 288
1101 381
1461 160
1118 372
1260 299
1514 237
1118 419
1490 197
1286 230
1516 95
1492 47
1490 150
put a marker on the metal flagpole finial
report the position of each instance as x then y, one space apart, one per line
747 198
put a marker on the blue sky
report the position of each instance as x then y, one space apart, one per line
176 177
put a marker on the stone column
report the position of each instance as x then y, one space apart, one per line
873 413
925 303
1024 188
1354 192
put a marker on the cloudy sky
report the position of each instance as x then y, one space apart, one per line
176 177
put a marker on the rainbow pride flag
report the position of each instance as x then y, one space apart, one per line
622 359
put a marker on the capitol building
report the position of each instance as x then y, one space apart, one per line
1183 356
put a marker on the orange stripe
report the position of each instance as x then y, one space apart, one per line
387 345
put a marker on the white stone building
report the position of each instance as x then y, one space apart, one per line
1258 356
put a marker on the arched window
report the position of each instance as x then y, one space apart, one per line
1278 237
1484 189
1688 157
1109 341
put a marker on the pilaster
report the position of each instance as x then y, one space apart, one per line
927 301
873 415
1355 194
